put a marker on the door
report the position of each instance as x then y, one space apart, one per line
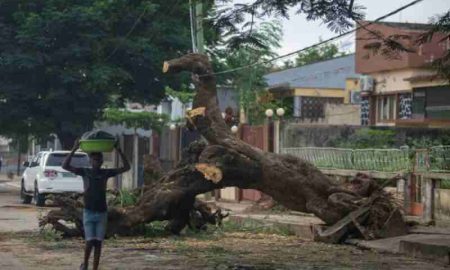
31 172
255 136
416 195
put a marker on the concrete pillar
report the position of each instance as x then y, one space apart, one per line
428 200
135 159
150 151
406 193
119 178
297 106
276 136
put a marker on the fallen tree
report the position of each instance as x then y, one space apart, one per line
361 209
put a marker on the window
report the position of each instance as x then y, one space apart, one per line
418 104
36 160
386 108
78 161
313 107
431 103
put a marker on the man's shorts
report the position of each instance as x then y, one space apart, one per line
94 225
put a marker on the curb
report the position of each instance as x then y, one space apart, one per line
13 184
303 231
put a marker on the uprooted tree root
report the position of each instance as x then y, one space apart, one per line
361 209
71 212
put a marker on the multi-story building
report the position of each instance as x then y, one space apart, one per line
400 88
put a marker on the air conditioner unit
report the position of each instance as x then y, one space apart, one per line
355 97
366 83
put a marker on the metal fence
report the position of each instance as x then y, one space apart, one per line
434 159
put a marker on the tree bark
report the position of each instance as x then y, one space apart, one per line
227 161
66 139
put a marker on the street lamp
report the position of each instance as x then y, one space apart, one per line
280 112
234 129
269 113
172 126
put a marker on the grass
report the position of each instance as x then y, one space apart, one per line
155 229
252 226
49 235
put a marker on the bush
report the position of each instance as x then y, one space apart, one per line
368 138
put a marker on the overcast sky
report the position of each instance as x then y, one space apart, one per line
298 32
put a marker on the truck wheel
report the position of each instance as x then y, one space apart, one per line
39 199
25 198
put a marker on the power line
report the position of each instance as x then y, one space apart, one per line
316 44
129 32
137 21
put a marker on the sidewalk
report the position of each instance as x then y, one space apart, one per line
301 225
423 242
14 182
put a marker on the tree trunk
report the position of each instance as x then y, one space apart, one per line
66 139
227 161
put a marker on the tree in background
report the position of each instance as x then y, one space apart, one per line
60 61
440 24
337 15
264 39
317 54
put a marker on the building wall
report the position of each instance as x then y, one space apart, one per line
342 114
389 82
4 144
429 83
318 92
368 61
351 85
442 204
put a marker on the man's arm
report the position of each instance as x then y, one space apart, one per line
126 164
66 164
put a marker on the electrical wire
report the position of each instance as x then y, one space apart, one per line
136 22
316 44
129 31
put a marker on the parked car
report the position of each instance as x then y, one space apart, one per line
44 175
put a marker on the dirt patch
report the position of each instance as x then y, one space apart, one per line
220 249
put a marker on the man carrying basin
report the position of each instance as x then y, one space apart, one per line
94 180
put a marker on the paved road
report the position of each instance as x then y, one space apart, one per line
15 216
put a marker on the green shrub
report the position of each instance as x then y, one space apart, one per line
368 138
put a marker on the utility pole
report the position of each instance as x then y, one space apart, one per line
196 12
199 22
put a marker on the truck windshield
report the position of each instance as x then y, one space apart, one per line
78 161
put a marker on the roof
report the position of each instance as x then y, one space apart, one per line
410 26
421 78
325 74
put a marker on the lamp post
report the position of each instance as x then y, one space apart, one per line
276 128
234 129
269 113
276 133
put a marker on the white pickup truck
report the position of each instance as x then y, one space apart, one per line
44 175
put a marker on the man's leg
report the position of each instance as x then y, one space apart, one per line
87 254
100 230
97 253
89 234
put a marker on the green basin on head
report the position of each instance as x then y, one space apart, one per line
97 145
